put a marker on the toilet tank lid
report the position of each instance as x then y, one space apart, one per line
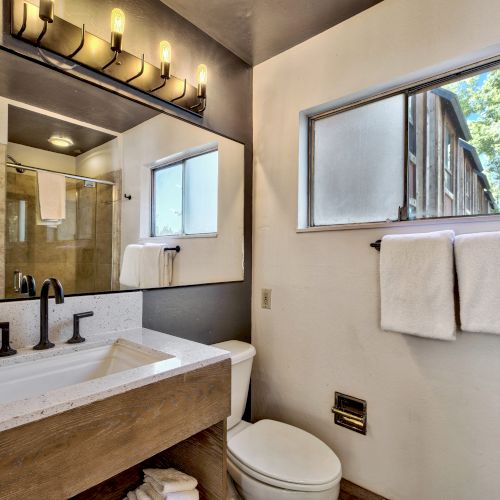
240 351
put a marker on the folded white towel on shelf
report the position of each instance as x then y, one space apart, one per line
478 270
183 495
131 495
141 494
169 480
172 495
417 284
151 492
130 270
51 196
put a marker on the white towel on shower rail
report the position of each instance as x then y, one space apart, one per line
417 284
478 270
51 196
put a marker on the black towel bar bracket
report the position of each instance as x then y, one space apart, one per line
376 245
177 249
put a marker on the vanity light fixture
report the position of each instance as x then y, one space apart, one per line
201 92
108 57
60 142
46 11
117 29
46 14
201 78
165 59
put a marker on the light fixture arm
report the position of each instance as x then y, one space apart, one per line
201 106
82 43
25 18
160 86
141 71
108 64
183 92
42 33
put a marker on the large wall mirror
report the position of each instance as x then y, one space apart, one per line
107 194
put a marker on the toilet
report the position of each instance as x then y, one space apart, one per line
271 460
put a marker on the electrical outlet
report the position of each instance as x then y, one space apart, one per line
266 298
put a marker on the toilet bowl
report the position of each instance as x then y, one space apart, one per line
271 460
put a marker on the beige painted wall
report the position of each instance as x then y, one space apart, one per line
433 407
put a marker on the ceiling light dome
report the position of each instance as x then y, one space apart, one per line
60 142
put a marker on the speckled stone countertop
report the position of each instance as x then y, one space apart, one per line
189 355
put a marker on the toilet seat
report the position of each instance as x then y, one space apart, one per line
284 456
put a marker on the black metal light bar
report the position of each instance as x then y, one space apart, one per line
82 47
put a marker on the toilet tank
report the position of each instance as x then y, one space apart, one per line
242 355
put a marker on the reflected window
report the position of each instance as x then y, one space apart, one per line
184 196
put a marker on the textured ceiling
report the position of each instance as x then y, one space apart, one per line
256 30
34 130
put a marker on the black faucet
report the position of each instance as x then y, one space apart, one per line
44 310
6 350
28 285
77 338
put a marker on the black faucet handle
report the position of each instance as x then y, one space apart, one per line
6 350
76 338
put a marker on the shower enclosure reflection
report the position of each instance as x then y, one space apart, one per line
78 250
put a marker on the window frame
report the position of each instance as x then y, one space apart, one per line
408 90
178 160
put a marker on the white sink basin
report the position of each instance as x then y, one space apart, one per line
60 368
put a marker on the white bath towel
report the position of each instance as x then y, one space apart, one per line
51 196
478 269
131 495
168 267
157 265
169 480
130 270
417 283
151 265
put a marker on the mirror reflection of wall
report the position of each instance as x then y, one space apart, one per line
156 184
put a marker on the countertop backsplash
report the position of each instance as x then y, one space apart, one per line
112 312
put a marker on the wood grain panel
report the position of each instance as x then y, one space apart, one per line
65 454
203 456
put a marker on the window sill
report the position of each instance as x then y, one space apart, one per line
161 239
407 223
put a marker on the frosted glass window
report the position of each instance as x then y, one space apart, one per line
358 164
200 194
185 195
167 200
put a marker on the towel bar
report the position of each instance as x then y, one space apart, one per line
177 249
